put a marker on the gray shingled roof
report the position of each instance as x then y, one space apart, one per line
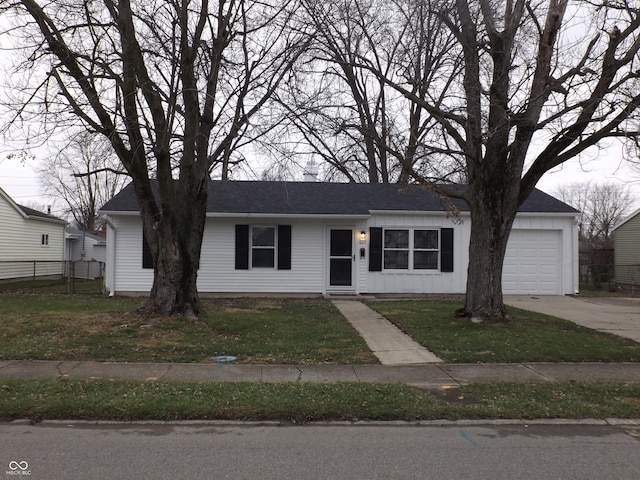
30 212
309 198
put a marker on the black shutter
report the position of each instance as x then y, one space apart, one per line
284 247
375 249
446 250
147 257
242 247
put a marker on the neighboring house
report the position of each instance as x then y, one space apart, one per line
28 236
626 238
316 238
87 251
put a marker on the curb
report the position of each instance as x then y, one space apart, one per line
613 422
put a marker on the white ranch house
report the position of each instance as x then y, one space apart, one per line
324 238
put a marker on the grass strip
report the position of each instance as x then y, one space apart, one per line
530 337
304 402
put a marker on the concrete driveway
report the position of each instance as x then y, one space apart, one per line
620 316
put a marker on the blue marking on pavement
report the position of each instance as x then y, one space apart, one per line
466 436
223 358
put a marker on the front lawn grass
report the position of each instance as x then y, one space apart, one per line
305 402
94 327
284 331
530 337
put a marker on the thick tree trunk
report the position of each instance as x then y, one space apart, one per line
174 286
175 242
491 221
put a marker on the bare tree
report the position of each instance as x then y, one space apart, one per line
172 85
603 206
346 116
336 112
539 87
84 175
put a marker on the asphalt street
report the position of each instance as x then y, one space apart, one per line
240 451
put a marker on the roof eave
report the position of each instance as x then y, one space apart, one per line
417 212
548 214
627 219
59 221
288 215
119 212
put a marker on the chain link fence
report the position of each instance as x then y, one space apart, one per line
628 278
614 278
51 276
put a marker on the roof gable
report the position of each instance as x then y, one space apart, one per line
4 195
321 198
29 213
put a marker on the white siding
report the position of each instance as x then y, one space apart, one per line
557 276
99 252
426 281
21 239
86 260
129 275
217 262
309 256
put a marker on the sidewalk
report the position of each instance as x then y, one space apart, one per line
429 375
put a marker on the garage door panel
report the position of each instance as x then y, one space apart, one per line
533 262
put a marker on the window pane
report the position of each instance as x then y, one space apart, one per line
425 260
396 239
425 239
262 257
263 236
341 244
396 259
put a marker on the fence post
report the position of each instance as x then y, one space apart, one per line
70 276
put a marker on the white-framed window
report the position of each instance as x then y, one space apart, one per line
44 240
425 249
263 247
411 249
396 249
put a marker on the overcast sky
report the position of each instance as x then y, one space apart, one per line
21 182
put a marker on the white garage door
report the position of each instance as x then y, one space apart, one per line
533 262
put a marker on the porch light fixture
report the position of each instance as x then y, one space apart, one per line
363 236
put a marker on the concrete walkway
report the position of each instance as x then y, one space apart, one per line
426 376
386 341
